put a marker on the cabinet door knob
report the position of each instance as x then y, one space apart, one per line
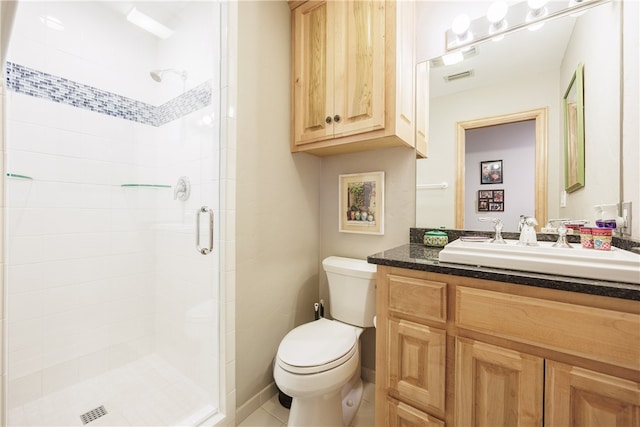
328 119
336 118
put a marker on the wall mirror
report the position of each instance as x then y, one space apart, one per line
527 71
573 109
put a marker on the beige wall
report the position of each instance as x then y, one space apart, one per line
287 205
277 218
399 165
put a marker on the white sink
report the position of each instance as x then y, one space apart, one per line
616 265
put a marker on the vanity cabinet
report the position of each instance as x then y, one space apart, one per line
495 386
413 311
352 76
460 351
581 397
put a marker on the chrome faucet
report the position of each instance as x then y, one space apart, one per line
527 229
562 236
497 226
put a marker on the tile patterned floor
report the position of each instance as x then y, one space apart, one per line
272 414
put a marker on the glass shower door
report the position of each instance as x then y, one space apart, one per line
112 297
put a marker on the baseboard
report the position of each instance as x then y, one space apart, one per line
251 405
368 375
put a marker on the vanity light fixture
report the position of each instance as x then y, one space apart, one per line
537 11
460 27
149 24
530 14
496 16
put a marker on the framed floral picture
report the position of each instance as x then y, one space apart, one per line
361 203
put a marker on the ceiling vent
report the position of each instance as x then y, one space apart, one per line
458 76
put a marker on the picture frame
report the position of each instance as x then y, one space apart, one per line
361 203
573 105
491 172
490 200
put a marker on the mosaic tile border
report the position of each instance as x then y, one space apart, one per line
39 84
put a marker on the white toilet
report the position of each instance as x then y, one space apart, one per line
318 363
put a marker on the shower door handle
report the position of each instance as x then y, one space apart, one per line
205 250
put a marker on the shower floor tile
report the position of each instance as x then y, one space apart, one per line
147 392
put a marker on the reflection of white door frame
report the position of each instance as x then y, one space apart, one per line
540 117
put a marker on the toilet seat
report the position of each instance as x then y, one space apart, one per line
317 346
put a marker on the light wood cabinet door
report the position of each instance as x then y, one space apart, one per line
359 67
496 386
313 71
577 397
417 365
339 69
401 415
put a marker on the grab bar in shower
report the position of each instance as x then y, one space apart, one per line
205 250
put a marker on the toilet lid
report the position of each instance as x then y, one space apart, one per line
317 346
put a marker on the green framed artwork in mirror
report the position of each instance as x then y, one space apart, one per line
574 132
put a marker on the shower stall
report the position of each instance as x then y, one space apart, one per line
112 258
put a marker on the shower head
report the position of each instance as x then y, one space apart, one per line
157 74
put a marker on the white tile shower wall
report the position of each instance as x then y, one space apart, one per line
97 47
82 248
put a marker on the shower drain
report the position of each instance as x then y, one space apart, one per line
93 415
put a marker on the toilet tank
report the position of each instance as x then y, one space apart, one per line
352 290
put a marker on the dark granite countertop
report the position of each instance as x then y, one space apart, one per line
416 256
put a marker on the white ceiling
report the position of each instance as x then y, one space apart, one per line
517 55
162 11
520 52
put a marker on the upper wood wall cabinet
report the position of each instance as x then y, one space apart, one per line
352 76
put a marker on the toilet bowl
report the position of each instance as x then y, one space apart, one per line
318 363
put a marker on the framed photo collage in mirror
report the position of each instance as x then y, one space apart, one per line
491 200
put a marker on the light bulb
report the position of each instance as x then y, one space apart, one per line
536 4
460 25
497 11
538 11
